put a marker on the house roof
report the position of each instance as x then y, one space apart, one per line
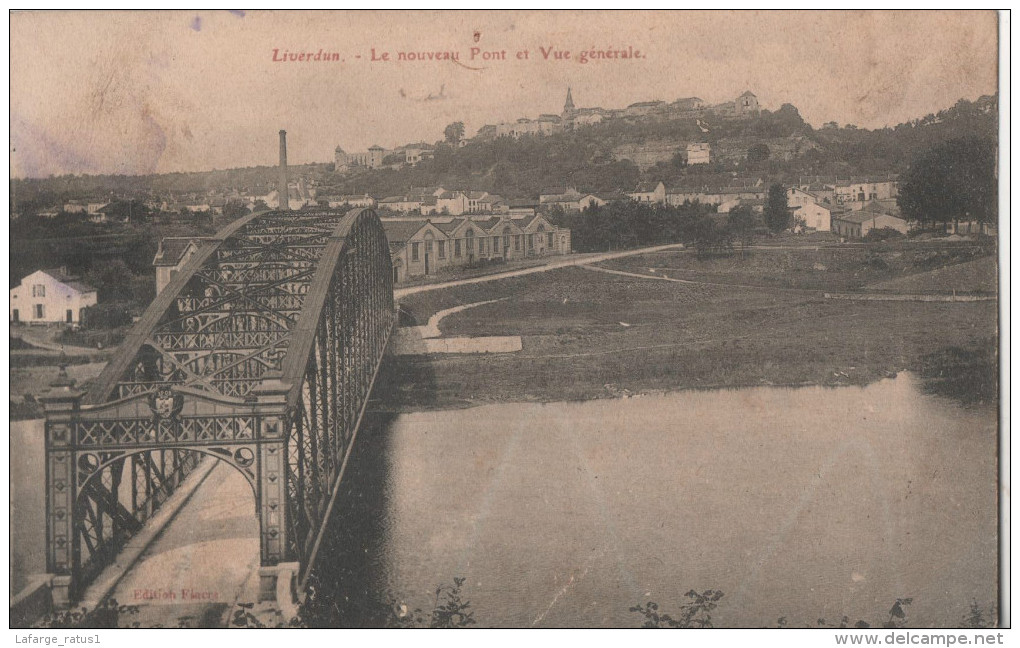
865 216
68 280
647 187
490 223
833 210
739 189
613 195
864 180
531 218
172 248
449 226
400 231
747 93
517 203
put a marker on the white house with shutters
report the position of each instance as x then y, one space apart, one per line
50 296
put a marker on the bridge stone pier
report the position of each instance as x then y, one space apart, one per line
261 354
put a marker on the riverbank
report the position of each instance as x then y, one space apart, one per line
590 335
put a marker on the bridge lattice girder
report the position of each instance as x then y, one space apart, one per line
261 352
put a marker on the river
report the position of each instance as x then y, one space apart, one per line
803 503
794 502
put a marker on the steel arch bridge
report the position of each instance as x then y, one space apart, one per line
261 352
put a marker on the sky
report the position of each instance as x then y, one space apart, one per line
157 92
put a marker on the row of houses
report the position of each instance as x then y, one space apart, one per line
377 157
570 117
815 202
849 207
437 200
424 246
723 196
858 203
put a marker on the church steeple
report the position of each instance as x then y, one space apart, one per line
568 107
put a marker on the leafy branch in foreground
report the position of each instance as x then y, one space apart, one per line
694 614
697 614
105 615
449 611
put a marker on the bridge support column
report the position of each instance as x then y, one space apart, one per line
276 577
61 404
278 585
60 592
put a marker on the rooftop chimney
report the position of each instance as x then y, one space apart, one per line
283 190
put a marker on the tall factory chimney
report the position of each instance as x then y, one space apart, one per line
283 190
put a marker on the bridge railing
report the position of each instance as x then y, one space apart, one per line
331 367
111 466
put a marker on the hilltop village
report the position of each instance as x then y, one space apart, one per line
519 189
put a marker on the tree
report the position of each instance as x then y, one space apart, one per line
454 133
123 211
777 210
951 182
234 209
777 215
758 152
741 226
708 237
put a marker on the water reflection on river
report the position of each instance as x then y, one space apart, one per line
804 503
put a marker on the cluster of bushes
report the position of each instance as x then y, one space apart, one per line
107 315
99 339
46 360
970 376
451 611
882 234
25 410
628 224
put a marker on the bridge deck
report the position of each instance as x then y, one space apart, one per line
204 562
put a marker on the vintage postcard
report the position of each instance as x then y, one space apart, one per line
505 319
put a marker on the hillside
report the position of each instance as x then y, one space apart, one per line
607 157
616 154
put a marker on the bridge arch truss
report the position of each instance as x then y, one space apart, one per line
261 352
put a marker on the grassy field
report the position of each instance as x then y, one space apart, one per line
979 276
832 268
590 335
